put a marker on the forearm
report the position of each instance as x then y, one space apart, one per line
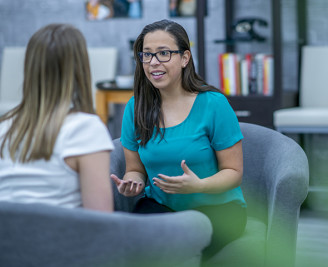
189 182
135 170
230 162
222 181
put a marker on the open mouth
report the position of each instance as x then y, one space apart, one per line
157 74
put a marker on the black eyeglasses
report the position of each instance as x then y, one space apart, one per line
162 56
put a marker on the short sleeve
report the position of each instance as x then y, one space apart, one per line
128 137
224 126
83 134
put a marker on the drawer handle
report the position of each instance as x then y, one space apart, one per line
243 113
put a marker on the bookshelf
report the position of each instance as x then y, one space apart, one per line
258 108
255 108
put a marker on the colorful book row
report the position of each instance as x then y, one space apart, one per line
251 74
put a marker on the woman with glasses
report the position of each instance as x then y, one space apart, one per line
53 149
182 135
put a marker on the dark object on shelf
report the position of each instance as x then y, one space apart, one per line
106 85
243 29
111 85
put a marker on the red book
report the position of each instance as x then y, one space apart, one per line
221 72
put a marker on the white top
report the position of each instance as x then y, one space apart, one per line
53 182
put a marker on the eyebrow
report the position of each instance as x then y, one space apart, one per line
158 48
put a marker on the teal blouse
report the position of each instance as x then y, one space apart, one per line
210 126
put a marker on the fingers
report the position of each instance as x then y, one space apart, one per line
116 180
184 167
128 188
131 188
165 178
183 184
167 186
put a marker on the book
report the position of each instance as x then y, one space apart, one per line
259 62
226 74
252 80
248 75
268 76
244 77
221 72
237 71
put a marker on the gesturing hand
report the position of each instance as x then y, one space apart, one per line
128 188
187 183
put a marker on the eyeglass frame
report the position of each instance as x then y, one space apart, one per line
140 54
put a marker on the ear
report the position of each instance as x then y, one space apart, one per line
185 58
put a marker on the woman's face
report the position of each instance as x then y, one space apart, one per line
164 75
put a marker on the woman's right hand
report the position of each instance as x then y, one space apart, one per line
128 188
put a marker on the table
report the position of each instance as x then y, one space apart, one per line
109 93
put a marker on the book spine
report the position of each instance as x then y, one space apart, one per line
238 74
226 74
221 72
232 75
270 80
252 76
259 59
244 77
265 75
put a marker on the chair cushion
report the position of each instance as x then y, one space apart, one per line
299 116
248 250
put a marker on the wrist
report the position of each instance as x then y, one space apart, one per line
135 176
201 188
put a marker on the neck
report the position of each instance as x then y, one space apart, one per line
173 95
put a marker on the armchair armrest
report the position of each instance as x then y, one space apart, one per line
276 177
287 187
41 235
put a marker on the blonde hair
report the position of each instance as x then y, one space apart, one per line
56 82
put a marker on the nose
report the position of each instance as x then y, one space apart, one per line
154 61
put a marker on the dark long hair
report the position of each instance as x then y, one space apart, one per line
147 107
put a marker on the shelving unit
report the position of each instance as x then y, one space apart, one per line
256 109
259 109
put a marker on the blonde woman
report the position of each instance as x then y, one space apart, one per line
53 148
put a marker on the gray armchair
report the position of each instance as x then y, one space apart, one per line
275 184
38 235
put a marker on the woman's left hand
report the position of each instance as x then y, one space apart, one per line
187 183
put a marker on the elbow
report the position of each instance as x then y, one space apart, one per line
239 178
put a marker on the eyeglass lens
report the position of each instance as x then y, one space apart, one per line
161 56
